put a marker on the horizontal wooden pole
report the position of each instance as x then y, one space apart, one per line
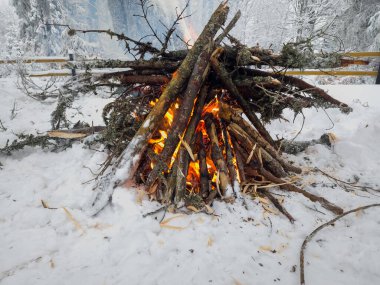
53 74
37 60
331 73
362 54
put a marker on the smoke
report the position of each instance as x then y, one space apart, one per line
170 8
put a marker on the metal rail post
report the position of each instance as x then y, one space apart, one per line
71 58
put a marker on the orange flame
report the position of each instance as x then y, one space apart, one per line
158 142
212 107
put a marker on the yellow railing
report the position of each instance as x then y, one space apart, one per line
331 72
362 54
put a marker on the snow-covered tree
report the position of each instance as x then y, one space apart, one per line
35 15
344 21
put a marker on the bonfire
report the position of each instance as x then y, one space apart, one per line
190 124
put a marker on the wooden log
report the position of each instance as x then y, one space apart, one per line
119 74
265 82
125 166
167 65
289 187
229 27
144 167
227 81
204 175
217 157
168 197
189 138
146 79
239 160
75 133
229 157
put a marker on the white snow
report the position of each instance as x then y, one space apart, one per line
239 246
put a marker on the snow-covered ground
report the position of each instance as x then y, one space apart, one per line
238 246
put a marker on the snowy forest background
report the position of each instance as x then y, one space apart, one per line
352 25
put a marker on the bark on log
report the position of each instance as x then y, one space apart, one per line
172 181
229 157
149 80
217 157
169 66
126 165
239 160
203 171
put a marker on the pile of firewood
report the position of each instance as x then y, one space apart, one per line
200 117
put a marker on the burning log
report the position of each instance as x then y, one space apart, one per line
189 138
239 160
218 158
204 175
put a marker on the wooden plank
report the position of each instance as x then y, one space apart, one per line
66 135
331 72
